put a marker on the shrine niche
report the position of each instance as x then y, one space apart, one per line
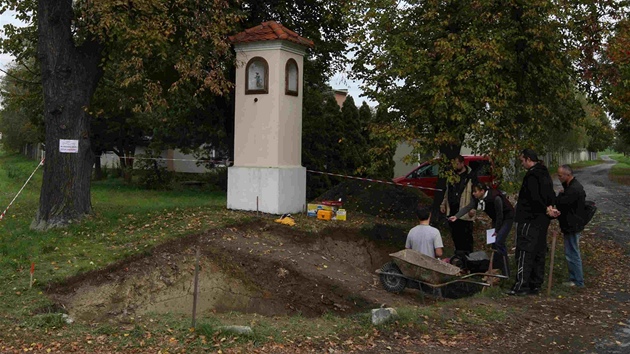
291 75
257 76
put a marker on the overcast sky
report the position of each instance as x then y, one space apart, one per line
7 17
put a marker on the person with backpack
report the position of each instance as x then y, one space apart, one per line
501 211
570 205
458 195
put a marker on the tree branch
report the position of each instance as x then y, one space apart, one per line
29 69
21 80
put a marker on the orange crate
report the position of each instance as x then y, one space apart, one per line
324 214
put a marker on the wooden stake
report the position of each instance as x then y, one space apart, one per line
554 234
32 272
489 279
196 291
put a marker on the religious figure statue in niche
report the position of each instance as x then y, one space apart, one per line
257 76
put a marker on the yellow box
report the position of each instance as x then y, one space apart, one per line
312 209
324 214
341 215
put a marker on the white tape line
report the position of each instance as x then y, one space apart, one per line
20 191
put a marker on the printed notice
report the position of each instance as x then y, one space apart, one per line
68 146
490 236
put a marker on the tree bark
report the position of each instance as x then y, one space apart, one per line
70 74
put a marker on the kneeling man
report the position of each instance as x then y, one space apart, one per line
425 238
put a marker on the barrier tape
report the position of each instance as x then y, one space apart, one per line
20 191
226 162
373 180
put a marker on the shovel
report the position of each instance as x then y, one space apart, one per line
554 234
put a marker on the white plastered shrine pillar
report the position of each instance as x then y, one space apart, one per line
267 174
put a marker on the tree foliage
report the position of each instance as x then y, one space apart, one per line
22 105
617 87
353 142
321 138
598 128
382 143
496 74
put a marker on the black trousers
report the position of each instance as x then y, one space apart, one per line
531 249
462 234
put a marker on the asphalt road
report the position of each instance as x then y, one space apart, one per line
612 221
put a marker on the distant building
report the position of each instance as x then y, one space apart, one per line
340 96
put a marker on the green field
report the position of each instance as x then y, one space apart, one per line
620 172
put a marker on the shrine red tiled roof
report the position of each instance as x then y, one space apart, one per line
270 31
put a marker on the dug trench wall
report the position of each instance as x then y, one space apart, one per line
254 268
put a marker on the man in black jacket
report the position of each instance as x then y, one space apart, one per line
570 204
532 222
501 211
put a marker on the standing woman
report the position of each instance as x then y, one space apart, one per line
501 211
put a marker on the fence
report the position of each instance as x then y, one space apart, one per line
568 157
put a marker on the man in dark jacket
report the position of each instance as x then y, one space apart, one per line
501 211
458 195
532 222
570 204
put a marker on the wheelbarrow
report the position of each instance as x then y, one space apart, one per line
410 268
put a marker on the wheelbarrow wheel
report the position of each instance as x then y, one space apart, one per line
392 283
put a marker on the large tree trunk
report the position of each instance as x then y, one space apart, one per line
69 78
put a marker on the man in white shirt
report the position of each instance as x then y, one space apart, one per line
425 238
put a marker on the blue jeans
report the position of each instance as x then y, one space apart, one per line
574 260
502 236
500 257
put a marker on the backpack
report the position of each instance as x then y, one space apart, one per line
589 211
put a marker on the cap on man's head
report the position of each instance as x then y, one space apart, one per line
530 154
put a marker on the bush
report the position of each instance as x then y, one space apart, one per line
220 178
152 174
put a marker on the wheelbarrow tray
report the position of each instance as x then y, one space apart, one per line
413 261
426 269
413 266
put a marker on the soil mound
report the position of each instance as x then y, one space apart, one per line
378 199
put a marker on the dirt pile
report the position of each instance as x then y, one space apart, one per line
378 199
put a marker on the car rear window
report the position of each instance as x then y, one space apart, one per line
425 171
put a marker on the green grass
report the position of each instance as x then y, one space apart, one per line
620 172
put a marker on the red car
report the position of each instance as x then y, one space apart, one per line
426 175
